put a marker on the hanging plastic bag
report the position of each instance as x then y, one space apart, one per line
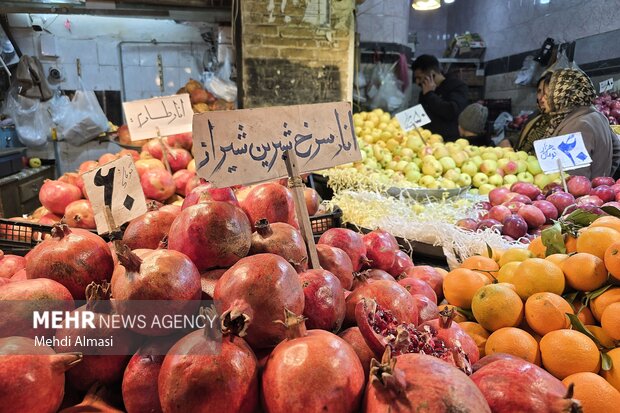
33 122
528 71
389 95
219 83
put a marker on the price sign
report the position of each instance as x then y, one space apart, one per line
115 185
247 146
412 118
567 150
606 85
161 116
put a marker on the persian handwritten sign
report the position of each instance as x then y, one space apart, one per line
568 150
247 146
606 85
115 185
412 118
163 116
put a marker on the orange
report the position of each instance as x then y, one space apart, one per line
612 260
484 265
537 275
596 240
496 306
607 222
557 259
610 321
508 271
545 312
496 254
514 341
601 302
458 316
565 352
584 272
570 243
613 375
460 285
478 333
594 393
584 314
537 248
515 254
601 336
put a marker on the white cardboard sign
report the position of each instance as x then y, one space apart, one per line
606 85
162 116
116 185
247 146
412 118
568 149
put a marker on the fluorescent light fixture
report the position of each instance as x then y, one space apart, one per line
545 1
425 4
448 1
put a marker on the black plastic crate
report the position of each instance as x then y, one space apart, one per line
323 222
11 161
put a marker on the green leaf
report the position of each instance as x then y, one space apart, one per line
571 297
467 313
581 217
606 362
489 250
593 294
578 325
553 240
612 210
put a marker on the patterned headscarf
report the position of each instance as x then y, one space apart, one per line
567 90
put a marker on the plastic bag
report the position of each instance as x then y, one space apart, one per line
33 122
81 119
387 94
219 83
528 71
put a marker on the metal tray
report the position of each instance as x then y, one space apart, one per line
423 194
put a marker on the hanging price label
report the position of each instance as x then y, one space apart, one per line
115 185
412 118
162 116
567 150
606 85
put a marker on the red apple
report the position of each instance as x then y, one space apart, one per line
514 226
522 198
589 199
490 223
561 200
499 213
579 185
467 224
604 192
514 206
525 188
603 180
547 208
533 216
498 195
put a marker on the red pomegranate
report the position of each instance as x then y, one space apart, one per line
39 212
353 336
337 262
213 234
281 239
208 280
364 277
19 276
107 157
96 400
87 166
324 306
514 385
135 155
430 275
181 178
389 295
70 178
173 209
103 364
148 230
491 358
180 140
73 257
317 360
417 286
254 293
140 378
402 263
154 147
32 376
10 264
79 214
272 202
381 247
453 334
419 382
313 201
157 184
145 165
196 363
19 300
427 309
207 192
56 195
178 158
193 182
350 242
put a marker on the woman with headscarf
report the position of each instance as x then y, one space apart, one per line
566 102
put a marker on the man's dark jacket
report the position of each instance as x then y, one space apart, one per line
443 107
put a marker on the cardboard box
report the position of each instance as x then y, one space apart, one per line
467 46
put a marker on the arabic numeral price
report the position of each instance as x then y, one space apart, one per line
107 182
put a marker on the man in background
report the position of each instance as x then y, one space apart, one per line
443 98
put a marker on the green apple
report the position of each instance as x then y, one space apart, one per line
462 142
432 168
411 167
486 188
34 162
391 165
460 158
406 152
511 156
464 180
496 180
413 176
521 166
477 160
447 184
433 185
417 162
542 180
426 181
452 175
401 165
488 167
525 177
533 166
469 168
522 155
447 163
510 179
480 179
508 166
507 186
489 155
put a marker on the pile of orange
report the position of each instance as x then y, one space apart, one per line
521 300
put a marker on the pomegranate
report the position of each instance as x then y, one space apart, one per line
87 166
337 262
207 192
419 382
18 276
353 336
32 376
155 148
181 178
56 195
389 295
101 364
417 286
313 201
157 184
324 306
191 166
107 157
180 140
381 247
70 178
281 239
196 363
73 257
350 242
135 155
10 264
453 335
178 158
144 165
193 182
491 358
514 385
208 280
19 300
213 234
364 277
79 214
198 96
140 378
427 308
253 293
39 212
430 275
96 400
272 202
316 360
173 209
148 230
402 263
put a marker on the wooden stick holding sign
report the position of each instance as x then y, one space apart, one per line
562 175
164 150
297 186
412 119
562 153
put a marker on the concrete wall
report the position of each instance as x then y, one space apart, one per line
383 21
430 29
